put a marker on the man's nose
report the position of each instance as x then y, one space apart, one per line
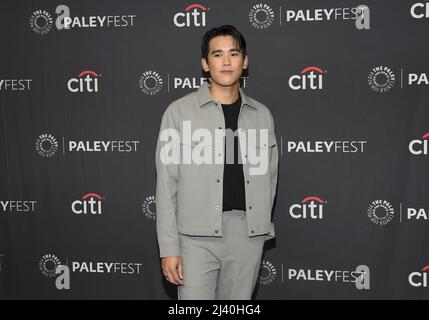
226 60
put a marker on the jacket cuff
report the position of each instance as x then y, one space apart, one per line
170 250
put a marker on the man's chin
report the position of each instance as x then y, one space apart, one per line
225 83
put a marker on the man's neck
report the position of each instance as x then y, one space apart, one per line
224 95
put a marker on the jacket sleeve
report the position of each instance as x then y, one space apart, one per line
274 159
166 194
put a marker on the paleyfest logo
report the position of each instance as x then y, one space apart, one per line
41 21
360 276
47 145
51 267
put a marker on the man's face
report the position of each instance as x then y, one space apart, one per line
225 61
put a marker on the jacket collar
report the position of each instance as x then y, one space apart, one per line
204 96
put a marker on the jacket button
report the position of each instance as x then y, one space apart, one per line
250 207
216 231
253 231
247 181
220 127
216 207
218 180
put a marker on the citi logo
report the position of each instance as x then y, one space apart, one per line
310 207
309 78
419 278
419 146
420 10
87 81
89 204
194 16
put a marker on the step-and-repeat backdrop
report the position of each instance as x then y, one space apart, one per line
83 86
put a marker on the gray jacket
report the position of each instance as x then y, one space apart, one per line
189 195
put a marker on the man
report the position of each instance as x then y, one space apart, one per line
214 195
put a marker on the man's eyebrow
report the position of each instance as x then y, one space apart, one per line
230 50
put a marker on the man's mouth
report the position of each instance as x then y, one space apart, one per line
227 71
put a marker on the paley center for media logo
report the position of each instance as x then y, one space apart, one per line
382 79
150 82
311 207
89 204
149 207
360 276
41 21
381 213
86 81
261 15
47 145
419 278
267 273
310 78
51 267
194 15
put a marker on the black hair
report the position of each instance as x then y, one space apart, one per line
224 30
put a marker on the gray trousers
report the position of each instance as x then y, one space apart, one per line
221 268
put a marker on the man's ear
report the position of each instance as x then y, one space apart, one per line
245 62
204 65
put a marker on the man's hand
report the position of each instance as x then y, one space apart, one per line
173 269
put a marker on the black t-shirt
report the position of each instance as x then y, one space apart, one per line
234 196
